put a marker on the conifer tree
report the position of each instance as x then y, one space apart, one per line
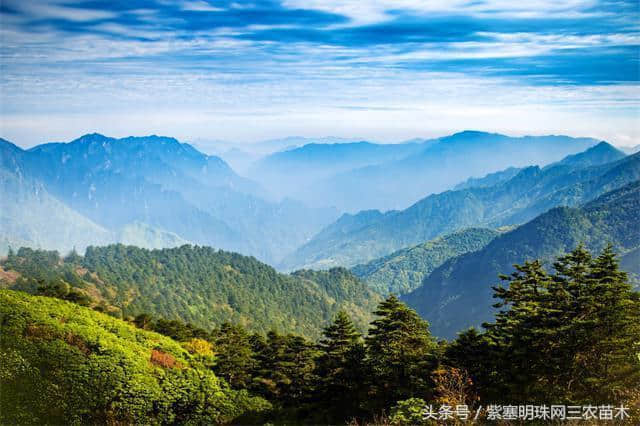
572 336
235 358
339 370
401 354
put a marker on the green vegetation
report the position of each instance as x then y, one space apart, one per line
568 337
198 285
403 271
65 364
457 295
571 336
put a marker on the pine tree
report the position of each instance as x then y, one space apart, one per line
572 336
235 357
401 355
286 369
607 333
339 370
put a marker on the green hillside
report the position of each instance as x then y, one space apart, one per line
66 364
457 295
199 285
403 271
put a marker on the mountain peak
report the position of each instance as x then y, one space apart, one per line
597 154
471 136
90 137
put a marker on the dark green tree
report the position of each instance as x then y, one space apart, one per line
572 336
401 354
286 366
340 370
235 357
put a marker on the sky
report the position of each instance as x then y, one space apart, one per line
384 70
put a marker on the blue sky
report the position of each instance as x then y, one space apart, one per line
384 70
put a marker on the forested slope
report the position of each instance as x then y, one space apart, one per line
199 285
458 293
403 271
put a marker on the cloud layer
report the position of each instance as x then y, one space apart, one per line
384 69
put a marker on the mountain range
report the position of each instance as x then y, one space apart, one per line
508 198
362 176
458 294
152 181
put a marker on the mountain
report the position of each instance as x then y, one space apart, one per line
29 215
290 172
403 271
437 166
631 149
599 154
64 363
169 186
199 285
458 294
489 180
529 193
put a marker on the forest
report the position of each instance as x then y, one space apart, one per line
565 335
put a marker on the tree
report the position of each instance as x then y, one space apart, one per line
572 336
143 321
236 359
401 354
286 369
339 370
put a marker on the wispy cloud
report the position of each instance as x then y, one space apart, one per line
274 58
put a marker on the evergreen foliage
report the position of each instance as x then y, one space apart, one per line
197 285
400 354
568 336
403 271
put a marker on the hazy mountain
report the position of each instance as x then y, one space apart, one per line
241 156
200 285
439 165
631 149
167 185
290 172
29 215
489 180
403 271
527 194
601 153
458 294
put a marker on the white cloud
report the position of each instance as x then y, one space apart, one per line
199 6
58 10
371 11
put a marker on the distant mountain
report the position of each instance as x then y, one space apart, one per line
167 185
403 271
29 215
529 193
242 155
290 172
631 149
599 154
489 180
437 166
199 285
458 294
